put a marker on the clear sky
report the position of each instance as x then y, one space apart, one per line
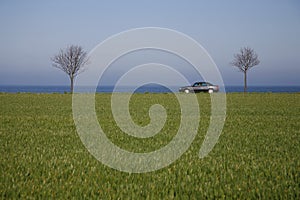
33 31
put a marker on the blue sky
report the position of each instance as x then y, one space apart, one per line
33 31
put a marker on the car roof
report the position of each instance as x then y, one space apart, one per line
202 82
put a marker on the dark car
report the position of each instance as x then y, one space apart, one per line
200 87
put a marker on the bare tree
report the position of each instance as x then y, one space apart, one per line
72 61
244 61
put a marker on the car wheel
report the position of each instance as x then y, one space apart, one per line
210 91
186 91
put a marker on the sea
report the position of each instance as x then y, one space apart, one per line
143 89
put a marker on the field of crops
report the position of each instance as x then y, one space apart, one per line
257 155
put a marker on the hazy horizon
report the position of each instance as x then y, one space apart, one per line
33 31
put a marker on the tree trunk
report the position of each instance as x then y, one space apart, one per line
72 84
245 81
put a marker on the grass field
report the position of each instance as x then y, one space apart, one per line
257 155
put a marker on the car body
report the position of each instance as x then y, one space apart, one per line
200 87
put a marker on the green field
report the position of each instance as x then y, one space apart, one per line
257 155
